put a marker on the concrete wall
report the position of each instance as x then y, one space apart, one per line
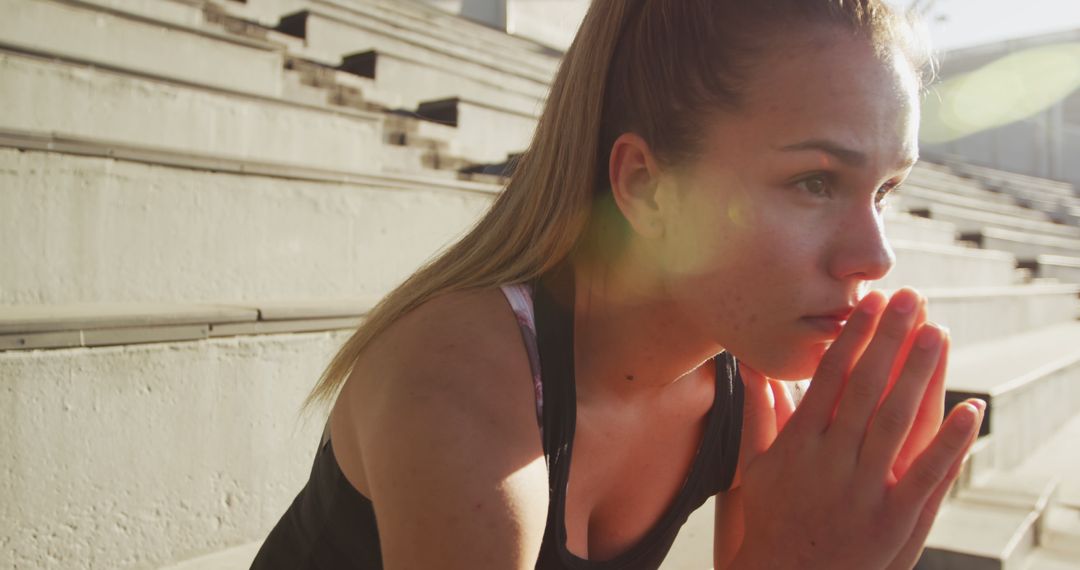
124 231
135 456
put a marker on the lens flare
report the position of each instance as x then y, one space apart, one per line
1004 91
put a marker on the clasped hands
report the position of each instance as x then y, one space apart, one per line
853 478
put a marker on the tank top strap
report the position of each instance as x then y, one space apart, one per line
520 297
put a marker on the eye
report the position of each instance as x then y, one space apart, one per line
818 185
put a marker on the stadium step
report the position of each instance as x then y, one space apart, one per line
969 220
928 177
978 314
232 558
931 265
196 228
484 133
1060 267
1024 245
173 50
129 109
977 536
413 81
901 226
1031 383
915 197
422 69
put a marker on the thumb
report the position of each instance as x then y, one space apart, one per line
759 416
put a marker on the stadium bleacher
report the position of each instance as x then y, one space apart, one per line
200 198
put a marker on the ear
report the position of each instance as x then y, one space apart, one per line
634 176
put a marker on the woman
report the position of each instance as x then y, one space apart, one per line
696 221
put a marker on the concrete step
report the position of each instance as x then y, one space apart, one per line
424 25
207 432
932 265
1061 531
459 36
1024 244
484 133
1058 454
235 233
994 524
972 221
996 177
330 38
1031 383
979 536
901 226
978 314
233 558
915 197
1063 268
414 81
169 49
63 97
1049 558
922 176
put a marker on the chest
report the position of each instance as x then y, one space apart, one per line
625 474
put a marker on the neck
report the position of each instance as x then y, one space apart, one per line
631 342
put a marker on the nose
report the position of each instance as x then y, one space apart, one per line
861 252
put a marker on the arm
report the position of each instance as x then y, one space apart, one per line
451 449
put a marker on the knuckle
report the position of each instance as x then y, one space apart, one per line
894 330
927 474
829 367
893 421
863 388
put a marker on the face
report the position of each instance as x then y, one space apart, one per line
780 218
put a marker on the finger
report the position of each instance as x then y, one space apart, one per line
870 375
912 550
889 428
928 419
905 348
784 404
932 467
815 412
759 419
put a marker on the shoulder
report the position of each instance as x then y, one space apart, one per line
459 353
444 416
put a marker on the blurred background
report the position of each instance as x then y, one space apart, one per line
199 199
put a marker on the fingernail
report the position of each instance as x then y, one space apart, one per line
929 337
967 416
979 405
904 303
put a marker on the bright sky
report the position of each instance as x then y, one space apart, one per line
972 22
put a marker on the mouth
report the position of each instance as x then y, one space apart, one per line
830 322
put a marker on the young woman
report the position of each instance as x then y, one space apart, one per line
695 222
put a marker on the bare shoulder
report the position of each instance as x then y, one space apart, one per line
443 411
464 348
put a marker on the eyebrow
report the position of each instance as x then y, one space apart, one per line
848 156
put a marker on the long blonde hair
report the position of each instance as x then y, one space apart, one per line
645 66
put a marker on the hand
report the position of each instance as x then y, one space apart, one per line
855 479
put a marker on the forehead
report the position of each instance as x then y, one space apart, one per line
826 85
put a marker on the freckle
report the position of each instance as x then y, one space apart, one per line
752 319
630 377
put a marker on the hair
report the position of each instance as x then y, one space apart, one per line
652 67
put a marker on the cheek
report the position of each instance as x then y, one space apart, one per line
710 230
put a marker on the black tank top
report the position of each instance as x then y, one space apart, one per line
331 525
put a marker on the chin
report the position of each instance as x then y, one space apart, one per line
789 363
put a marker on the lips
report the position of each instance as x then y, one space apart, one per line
830 322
